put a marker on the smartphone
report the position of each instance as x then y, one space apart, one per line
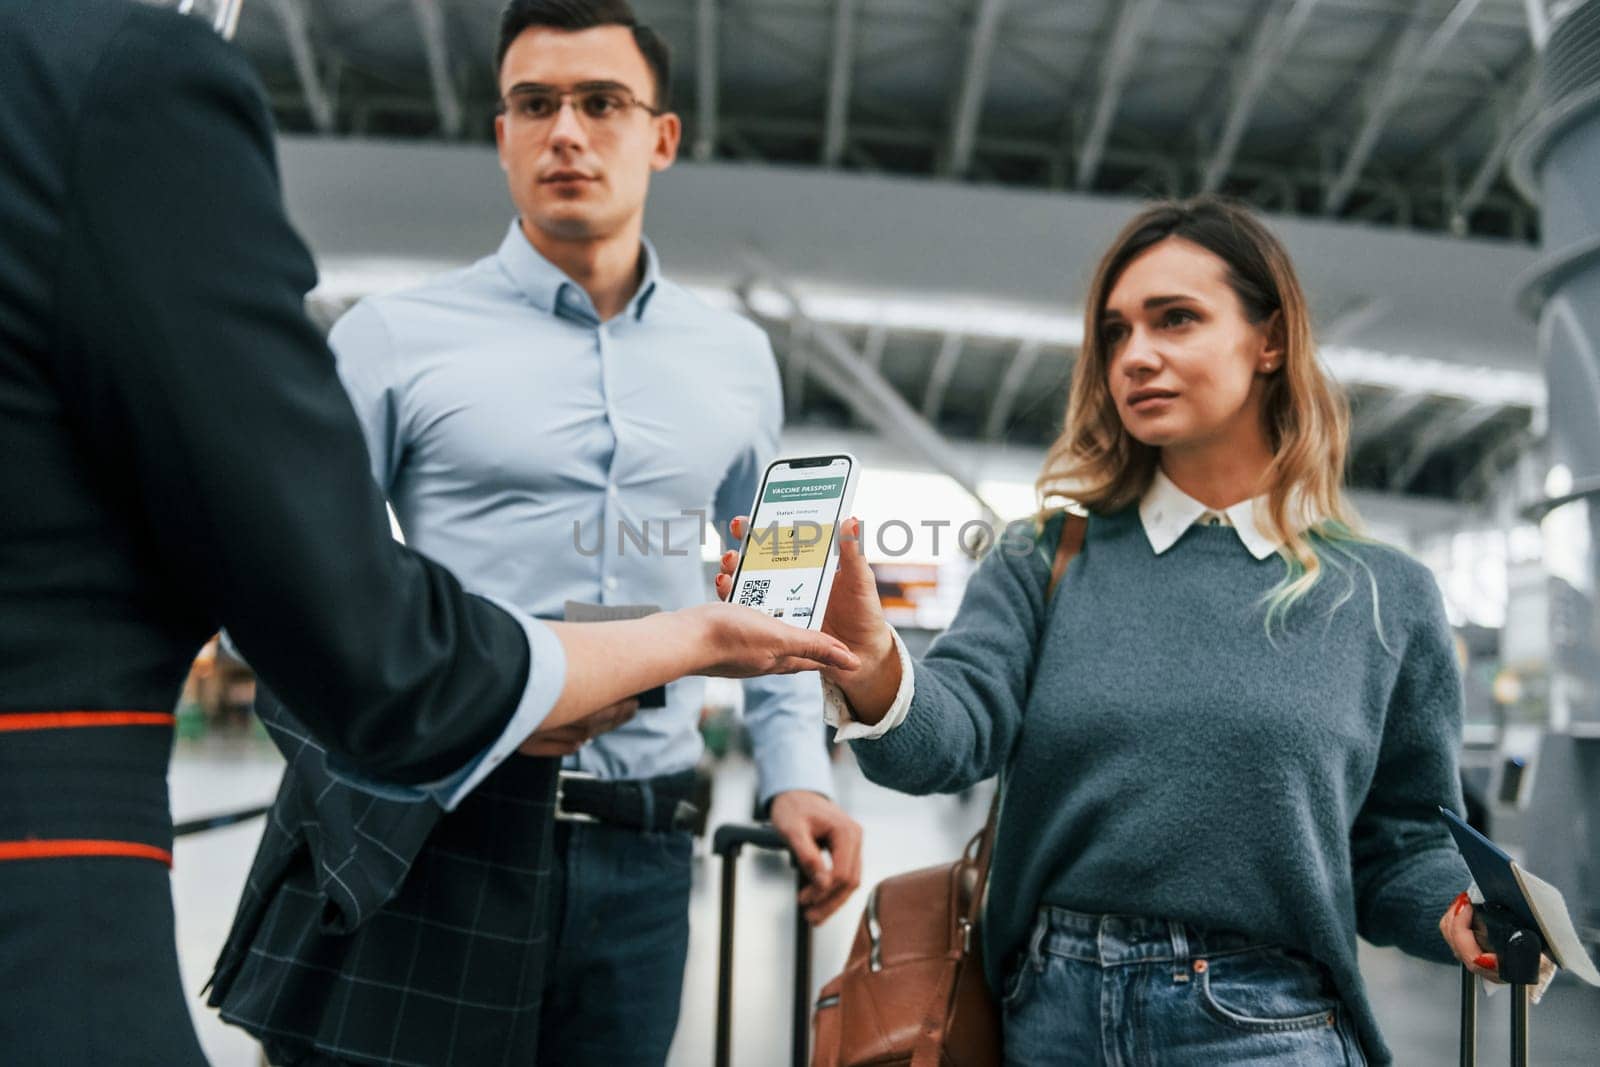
790 552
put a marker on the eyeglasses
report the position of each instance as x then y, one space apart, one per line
599 106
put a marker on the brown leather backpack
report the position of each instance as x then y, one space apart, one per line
912 991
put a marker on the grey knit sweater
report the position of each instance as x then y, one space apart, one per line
1162 757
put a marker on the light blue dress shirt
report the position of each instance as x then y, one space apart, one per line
533 449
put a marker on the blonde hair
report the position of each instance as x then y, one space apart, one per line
1098 465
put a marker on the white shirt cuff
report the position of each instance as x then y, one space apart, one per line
836 709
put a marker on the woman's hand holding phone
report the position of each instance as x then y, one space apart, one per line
854 616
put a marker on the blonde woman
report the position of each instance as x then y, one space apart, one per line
1224 740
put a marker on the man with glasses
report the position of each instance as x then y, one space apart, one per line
176 454
555 422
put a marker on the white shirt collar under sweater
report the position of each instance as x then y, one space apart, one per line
1167 511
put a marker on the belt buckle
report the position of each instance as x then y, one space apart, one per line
562 814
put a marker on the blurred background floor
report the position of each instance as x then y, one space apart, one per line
1416 1001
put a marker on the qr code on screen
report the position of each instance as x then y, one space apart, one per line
754 592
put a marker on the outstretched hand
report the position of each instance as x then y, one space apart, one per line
854 613
854 616
745 643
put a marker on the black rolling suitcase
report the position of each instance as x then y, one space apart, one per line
727 842
1518 950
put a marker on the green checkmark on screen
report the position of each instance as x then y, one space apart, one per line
797 588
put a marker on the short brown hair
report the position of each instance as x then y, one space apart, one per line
519 16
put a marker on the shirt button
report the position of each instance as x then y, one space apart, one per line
611 491
611 585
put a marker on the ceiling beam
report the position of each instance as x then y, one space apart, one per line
867 137
877 341
905 134
1353 318
705 61
1273 40
1011 384
1511 108
843 66
944 369
1414 55
295 17
436 41
867 393
1133 18
974 84
1441 434
797 361
1480 481
1538 23
1389 416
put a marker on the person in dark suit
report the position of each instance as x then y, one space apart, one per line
177 454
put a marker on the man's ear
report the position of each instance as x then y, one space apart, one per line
669 134
500 140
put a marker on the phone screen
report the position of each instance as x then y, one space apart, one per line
785 565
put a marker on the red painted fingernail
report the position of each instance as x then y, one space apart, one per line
1487 962
1461 901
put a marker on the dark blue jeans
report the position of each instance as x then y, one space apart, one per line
1124 991
619 926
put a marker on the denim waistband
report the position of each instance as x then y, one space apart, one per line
1115 940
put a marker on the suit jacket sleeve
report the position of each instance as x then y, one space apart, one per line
212 409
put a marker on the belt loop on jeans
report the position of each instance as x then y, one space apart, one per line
1180 950
1036 943
647 802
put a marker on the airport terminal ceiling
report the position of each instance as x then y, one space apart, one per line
1394 112
1371 130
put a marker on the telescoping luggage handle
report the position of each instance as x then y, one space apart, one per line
727 843
1518 950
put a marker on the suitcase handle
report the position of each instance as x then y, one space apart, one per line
728 841
731 837
1518 950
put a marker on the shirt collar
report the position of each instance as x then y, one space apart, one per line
1167 512
549 289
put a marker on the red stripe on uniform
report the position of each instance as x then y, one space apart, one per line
66 720
63 848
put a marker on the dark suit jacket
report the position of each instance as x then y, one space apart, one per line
378 932
176 455
176 451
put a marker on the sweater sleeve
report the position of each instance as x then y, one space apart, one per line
972 685
1405 865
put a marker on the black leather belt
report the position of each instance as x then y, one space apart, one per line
660 804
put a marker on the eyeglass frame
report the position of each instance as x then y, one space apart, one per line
562 96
